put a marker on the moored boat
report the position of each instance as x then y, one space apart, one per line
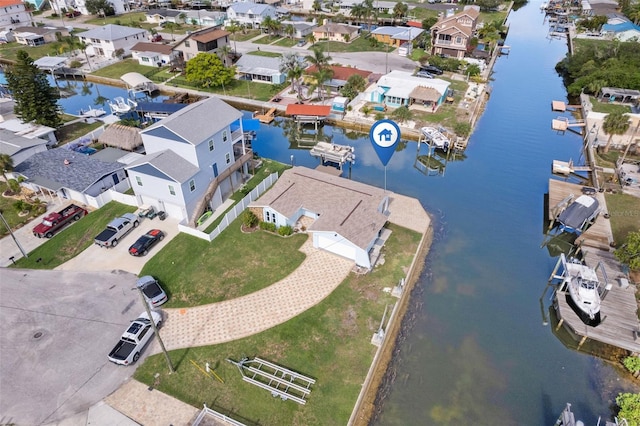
579 214
583 290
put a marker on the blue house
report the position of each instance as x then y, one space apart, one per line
400 88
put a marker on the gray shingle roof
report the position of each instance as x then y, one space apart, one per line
81 172
347 207
111 32
198 121
261 65
10 143
168 163
248 7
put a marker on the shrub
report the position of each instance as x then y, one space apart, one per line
632 363
22 206
629 404
249 219
75 64
14 186
462 129
285 230
268 226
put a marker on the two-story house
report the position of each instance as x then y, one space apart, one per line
195 157
106 40
207 40
451 36
250 14
13 14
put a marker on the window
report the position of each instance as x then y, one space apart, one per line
211 147
224 136
192 185
144 59
458 40
139 180
187 44
227 157
172 190
267 216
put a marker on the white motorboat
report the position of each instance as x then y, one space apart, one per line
434 137
583 287
122 106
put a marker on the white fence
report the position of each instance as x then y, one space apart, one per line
208 412
232 214
113 195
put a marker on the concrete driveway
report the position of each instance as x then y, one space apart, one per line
56 329
96 258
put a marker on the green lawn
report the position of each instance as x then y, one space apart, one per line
608 108
360 44
265 54
240 88
239 36
120 68
625 215
286 42
9 51
126 19
74 131
74 239
330 342
267 39
10 213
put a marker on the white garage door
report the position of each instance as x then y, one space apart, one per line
342 248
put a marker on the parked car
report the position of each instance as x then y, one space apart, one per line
55 221
117 229
73 14
144 243
134 339
301 43
152 291
432 70
156 37
423 74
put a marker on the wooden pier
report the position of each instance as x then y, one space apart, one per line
599 234
266 118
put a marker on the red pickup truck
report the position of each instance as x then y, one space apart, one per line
53 222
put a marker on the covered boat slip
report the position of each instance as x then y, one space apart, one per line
137 82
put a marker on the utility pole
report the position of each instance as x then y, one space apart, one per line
24 253
155 329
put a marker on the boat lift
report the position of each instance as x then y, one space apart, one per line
280 381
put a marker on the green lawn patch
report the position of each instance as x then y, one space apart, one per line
132 19
263 53
330 343
625 214
10 213
286 42
246 36
69 243
122 67
360 44
73 131
608 108
240 88
268 39
9 51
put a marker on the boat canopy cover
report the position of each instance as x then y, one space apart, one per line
578 212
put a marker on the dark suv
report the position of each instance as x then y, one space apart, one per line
431 69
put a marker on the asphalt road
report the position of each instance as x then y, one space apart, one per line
56 329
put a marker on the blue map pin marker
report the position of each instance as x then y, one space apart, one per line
384 136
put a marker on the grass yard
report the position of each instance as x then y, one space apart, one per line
133 19
360 44
74 131
10 213
239 36
330 343
243 89
74 239
9 51
286 42
225 268
608 108
122 67
267 39
625 215
265 54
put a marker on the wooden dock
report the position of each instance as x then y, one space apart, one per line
599 234
266 118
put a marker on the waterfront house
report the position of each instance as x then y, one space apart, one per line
64 173
261 69
250 14
19 148
9 121
106 40
381 7
194 159
36 36
119 6
343 33
624 31
451 35
339 78
207 40
154 54
400 88
163 16
396 36
13 13
343 216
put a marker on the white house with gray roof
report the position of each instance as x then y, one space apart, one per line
194 158
401 88
19 148
261 69
343 216
64 173
107 39
250 14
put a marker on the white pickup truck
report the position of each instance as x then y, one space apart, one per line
134 339
117 229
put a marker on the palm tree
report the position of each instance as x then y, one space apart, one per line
225 53
171 26
357 12
233 28
615 123
183 17
267 23
318 59
400 10
402 114
292 64
6 164
320 77
370 11
289 30
310 38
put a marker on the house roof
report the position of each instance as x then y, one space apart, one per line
196 122
171 13
445 24
11 144
163 49
39 30
399 33
28 130
111 32
344 206
297 109
251 8
625 26
7 3
50 62
341 73
332 27
208 36
48 169
300 25
119 136
260 65
111 155
401 84
165 164
425 94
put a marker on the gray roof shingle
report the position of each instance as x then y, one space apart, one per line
10 143
111 32
81 172
168 163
